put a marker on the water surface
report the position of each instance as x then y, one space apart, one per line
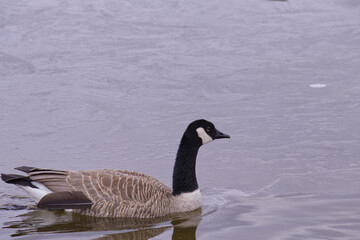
113 84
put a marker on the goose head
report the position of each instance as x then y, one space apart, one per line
196 134
203 131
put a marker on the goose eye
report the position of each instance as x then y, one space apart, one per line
208 129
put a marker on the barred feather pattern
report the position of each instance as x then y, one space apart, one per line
116 193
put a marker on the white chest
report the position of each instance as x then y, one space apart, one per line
187 201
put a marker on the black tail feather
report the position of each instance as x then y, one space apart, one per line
25 169
17 179
35 170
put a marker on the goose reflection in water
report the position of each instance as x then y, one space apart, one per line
184 225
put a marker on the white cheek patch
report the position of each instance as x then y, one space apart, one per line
203 135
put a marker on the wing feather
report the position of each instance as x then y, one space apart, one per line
115 193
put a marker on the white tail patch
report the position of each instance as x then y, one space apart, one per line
203 135
36 193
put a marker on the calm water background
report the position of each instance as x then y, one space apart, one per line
113 84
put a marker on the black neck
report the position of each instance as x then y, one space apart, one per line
184 176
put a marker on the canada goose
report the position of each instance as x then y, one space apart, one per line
121 193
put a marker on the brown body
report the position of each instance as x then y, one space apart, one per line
115 193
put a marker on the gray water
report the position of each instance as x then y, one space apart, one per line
113 84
